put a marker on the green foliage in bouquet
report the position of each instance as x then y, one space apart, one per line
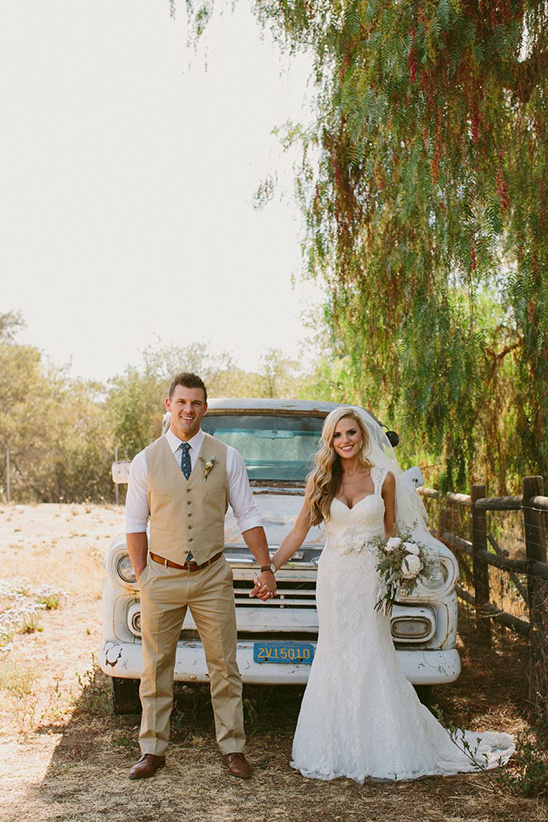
403 560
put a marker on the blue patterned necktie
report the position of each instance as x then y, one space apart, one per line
186 465
186 468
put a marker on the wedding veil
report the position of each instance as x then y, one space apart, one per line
410 511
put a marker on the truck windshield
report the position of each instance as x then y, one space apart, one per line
275 447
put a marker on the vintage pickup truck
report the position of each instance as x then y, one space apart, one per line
276 639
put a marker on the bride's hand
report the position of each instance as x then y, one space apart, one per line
265 587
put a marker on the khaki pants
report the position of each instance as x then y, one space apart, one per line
166 593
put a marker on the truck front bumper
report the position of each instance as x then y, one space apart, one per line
125 660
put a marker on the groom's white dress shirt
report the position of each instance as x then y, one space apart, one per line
239 493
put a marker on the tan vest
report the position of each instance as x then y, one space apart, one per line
187 515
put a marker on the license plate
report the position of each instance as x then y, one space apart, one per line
284 652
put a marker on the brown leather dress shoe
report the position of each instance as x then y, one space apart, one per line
238 765
147 765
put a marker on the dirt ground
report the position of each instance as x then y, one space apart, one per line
65 756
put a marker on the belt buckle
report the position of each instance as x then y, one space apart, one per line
192 565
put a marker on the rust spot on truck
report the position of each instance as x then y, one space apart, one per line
111 657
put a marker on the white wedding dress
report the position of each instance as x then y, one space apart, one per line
360 717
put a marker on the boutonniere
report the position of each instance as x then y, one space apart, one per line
208 467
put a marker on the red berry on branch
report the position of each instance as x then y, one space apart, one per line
502 188
412 60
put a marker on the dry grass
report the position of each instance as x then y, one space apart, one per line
69 760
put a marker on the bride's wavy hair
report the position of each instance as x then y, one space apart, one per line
327 475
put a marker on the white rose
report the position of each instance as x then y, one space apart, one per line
392 544
411 548
411 566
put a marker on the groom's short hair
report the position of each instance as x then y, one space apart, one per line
187 380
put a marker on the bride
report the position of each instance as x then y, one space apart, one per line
360 717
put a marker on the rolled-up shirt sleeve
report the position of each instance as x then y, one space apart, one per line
240 496
137 510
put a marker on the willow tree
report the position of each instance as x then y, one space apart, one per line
423 184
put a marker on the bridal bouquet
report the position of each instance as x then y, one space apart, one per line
402 560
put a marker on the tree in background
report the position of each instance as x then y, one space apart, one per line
55 428
279 376
135 410
423 184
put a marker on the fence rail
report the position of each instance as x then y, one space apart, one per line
522 566
520 626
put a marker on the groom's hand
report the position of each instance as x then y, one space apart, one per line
265 586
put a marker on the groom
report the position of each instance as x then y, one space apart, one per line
184 482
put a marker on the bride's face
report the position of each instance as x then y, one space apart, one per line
347 439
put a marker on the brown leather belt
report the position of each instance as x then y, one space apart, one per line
188 566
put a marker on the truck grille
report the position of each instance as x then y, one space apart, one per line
291 594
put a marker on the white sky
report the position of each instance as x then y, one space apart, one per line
127 179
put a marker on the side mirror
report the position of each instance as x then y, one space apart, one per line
120 472
392 438
415 475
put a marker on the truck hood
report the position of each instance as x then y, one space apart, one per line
279 512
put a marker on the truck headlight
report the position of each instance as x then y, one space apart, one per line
438 577
125 570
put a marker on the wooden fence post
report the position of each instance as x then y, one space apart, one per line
535 542
443 519
480 568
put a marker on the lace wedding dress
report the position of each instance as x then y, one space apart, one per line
360 717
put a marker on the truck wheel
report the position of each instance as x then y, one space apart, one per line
424 693
125 696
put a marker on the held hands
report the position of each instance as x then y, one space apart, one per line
265 586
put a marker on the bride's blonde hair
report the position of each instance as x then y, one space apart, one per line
327 475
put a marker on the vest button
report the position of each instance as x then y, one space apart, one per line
189 502
188 490
189 527
190 539
190 514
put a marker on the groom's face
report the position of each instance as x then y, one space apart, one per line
187 406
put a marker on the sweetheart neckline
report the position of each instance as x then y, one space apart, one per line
358 502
